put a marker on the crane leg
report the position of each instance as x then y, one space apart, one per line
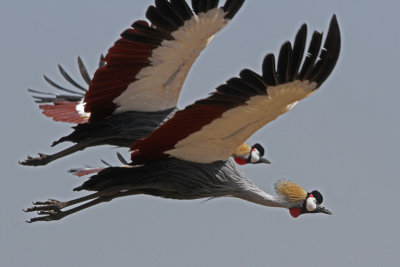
52 209
44 159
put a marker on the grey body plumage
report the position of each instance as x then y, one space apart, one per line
168 178
174 178
119 130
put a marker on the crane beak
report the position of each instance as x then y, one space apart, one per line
264 160
321 209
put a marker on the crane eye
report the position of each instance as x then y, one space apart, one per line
311 204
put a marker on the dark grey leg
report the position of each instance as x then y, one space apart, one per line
51 209
44 159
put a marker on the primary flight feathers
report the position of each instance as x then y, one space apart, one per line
146 68
212 129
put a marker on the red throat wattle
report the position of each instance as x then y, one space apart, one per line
295 212
240 161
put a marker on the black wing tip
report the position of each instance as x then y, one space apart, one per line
334 20
294 64
334 30
168 16
231 7
302 30
320 62
199 6
330 54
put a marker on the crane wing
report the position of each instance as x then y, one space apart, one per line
146 68
65 107
212 129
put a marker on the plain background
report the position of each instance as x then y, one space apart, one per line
343 141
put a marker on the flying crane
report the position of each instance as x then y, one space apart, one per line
138 82
187 157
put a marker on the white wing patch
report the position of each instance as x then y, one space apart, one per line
219 139
158 86
80 108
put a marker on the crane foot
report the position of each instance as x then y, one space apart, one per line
51 209
41 160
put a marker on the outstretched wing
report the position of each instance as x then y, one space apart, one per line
212 129
146 68
65 107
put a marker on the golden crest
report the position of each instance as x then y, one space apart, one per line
290 191
242 150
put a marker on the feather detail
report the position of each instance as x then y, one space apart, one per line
147 66
65 107
63 111
85 171
213 128
242 151
290 191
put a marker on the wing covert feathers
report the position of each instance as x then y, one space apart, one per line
212 129
145 69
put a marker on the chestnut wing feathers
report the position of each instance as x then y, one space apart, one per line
212 128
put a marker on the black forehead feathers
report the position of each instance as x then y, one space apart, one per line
259 148
318 196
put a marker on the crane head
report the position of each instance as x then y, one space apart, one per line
312 204
254 154
303 202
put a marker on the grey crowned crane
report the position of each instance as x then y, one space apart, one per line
193 162
138 82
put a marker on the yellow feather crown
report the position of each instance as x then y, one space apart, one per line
242 150
290 191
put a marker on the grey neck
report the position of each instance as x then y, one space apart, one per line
256 195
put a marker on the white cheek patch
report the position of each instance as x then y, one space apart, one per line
254 156
311 204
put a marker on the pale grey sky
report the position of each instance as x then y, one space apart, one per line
343 141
